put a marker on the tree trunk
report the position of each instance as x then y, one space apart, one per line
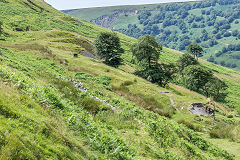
149 62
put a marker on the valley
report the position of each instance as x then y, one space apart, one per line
214 24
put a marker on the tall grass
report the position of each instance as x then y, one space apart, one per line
146 101
224 130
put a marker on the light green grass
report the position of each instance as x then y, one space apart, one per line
44 117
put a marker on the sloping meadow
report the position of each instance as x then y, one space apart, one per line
43 115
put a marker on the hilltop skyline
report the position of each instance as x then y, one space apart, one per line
73 4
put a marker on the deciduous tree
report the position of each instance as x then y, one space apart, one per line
195 50
195 77
147 51
216 88
109 48
186 60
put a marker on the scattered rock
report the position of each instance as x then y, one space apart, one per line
19 29
201 109
80 86
79 22
182 107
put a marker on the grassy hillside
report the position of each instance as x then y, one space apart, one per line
214 24
54 106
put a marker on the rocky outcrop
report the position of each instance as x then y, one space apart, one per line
107 21
202 109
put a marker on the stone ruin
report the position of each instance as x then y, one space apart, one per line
202 109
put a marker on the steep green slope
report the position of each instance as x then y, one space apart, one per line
214 24
54 106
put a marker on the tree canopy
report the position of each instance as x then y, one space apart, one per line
186 60
196 77
195 50
216 88
147 51
109 48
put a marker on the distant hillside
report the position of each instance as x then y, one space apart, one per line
214 24
57 103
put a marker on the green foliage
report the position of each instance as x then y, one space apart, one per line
196 77
108 47
146 101
195 50
44 117
206 23
238 112
81 121
160 74
186 60
147 51
190 125
91 105
216 88
127 83
102 81
201 80
224 130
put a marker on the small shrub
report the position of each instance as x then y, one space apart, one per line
220 133
190 125
224 130
127 83
67 89
107 70
91 105
230 116
238 112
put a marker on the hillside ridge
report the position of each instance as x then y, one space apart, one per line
212 24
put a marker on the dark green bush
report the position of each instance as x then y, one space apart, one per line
224 130
91 105
190 125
